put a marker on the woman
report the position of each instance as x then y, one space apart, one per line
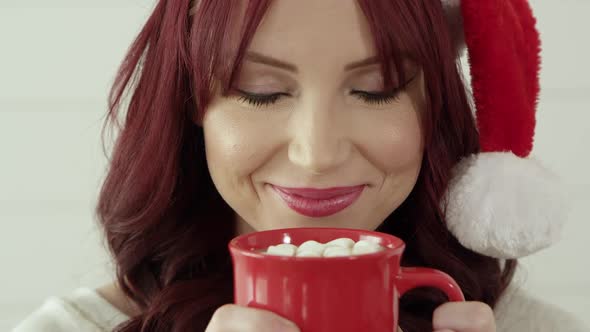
234 103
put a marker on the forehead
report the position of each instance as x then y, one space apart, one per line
314 32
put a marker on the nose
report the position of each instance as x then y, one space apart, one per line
319 141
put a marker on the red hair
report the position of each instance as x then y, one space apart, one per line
165 223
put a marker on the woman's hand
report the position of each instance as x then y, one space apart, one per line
464 317
233 318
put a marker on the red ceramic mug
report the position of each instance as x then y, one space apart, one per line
324 294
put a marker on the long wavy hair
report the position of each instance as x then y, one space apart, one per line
165 224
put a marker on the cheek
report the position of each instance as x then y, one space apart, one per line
236 145
403 147
396 144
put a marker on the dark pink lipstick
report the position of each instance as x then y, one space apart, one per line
316 203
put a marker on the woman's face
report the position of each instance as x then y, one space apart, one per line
309 111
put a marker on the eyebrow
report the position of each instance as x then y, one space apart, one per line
270 61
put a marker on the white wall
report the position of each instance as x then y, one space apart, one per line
57 59
562 273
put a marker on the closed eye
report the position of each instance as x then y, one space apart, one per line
377 98
369 97
258 99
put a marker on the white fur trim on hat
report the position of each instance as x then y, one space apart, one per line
504 206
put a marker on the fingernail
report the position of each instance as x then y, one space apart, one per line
287 326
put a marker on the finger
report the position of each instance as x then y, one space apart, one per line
233 318
464 317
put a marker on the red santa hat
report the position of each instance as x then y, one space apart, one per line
501 202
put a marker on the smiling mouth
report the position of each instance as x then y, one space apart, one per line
318 203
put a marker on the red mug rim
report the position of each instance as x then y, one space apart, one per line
395 245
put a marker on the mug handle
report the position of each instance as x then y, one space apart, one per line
413 277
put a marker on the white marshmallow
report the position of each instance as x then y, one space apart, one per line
313 246
341 242
336 251
366 247
335 248
308 253
283 249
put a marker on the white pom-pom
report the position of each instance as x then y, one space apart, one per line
504 206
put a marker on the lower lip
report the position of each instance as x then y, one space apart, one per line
317 208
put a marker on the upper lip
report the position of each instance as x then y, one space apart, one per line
316 193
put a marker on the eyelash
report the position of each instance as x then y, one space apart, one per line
259 100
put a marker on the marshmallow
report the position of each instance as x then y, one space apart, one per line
283 249
341 242
312 246
341 247
308 253
336 251
366 247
